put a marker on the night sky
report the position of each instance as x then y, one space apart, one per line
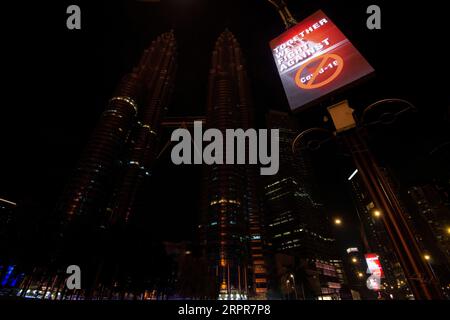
57 82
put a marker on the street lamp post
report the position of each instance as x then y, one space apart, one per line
428 259
295 287
395 221
423 282
285 14
288 289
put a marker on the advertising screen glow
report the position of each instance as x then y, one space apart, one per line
374 265
314 58
374 268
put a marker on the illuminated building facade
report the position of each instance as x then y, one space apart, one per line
126 134
157 71
232 228
298 229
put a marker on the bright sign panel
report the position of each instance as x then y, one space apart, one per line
374 265
376 271
314 58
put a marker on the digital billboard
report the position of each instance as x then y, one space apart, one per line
376 271
315 58
373 264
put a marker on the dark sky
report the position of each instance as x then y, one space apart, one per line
56 83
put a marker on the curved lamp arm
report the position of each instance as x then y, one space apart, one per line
384 118
302 134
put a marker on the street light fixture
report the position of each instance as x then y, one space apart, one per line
286 16
381 191
354 260
377 213
352 175
294 286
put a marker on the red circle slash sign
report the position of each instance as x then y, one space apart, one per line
309 84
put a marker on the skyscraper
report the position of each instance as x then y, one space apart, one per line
87 192
232 227
97 203
158 67
298 229
127 134
434 212
430 218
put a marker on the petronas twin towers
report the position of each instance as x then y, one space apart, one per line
232 225
125 144
127 132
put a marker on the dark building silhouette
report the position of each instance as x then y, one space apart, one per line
8 226
190 271
123 146
158 73
356 271
96 205
98 230
232 227
298 229
430 216
10 275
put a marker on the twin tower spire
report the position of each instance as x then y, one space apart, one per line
124 146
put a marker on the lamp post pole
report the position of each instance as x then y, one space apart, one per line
288 19
421 279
